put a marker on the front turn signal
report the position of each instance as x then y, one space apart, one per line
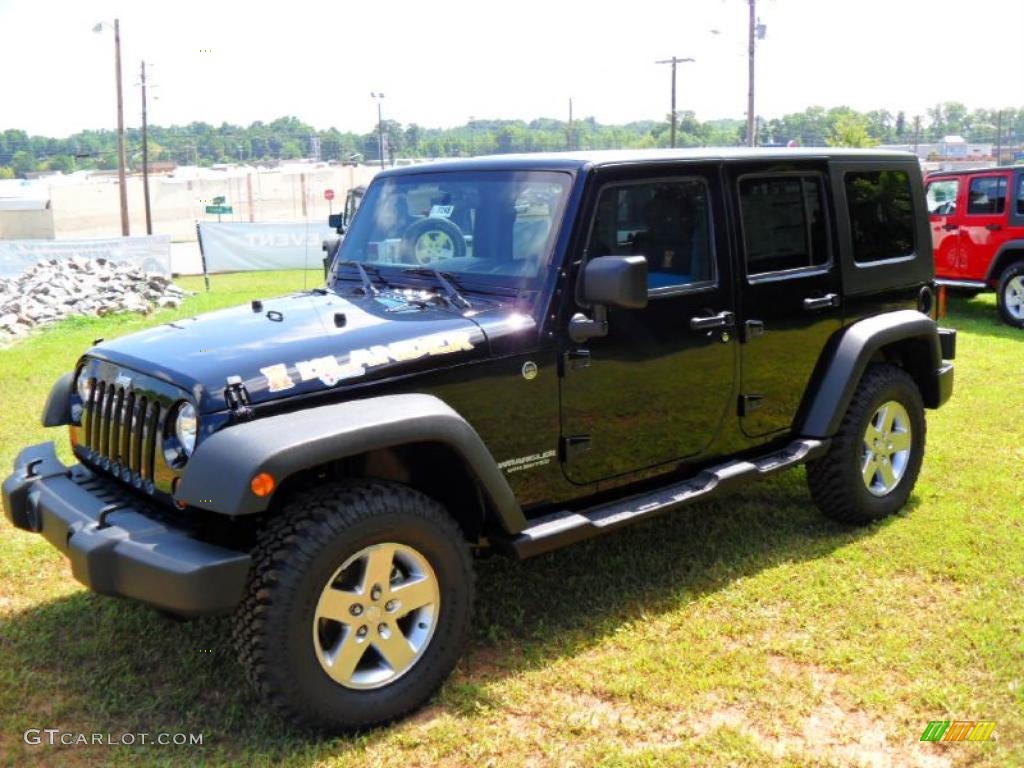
262 484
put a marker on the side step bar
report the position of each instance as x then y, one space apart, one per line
981 285
561 528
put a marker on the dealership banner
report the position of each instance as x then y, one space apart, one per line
151 252
251 246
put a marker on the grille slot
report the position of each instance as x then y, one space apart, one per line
121 429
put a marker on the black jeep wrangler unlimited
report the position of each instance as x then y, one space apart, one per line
511 353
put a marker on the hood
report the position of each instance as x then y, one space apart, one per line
298 344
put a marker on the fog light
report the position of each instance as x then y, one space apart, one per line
262 484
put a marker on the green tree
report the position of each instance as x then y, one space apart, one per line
23 163
6 172
851 130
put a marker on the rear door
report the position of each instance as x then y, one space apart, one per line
983 225
944 203
789 306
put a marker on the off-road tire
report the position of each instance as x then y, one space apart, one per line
835 480
294 558
1015 270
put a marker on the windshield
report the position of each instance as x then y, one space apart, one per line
496 227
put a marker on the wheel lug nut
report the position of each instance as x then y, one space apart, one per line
361 632
390 605
375 592
356 609
384 631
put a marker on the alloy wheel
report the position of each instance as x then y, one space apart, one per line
887 445
1013 297
376 616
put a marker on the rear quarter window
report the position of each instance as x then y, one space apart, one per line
881 209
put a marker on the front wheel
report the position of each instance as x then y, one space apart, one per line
358 606
1010 295
874 460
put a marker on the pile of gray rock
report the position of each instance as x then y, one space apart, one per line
54 289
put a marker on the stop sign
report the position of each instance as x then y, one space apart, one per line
328 194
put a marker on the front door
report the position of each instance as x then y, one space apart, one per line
789 305
983 224
943 200
656 389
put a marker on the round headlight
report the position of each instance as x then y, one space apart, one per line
186 427
84 388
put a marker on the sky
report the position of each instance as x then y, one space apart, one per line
439 63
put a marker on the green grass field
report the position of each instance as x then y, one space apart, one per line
749 631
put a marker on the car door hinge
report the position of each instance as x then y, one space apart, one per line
571 445
576 359
748 404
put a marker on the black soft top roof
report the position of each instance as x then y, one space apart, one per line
576 161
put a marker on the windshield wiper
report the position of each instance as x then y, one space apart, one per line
446 280
369 288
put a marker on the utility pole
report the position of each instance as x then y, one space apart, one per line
145 156
98 28
674 61
751 125
380 126
122 182
917 131
568 136
999 137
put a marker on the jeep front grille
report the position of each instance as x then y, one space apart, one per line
122 424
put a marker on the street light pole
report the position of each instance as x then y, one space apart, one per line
145 156
380 126
673 61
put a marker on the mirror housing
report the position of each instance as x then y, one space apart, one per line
337 222
609 281
616 281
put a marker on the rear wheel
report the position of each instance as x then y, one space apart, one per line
873 462
1011 295
358 606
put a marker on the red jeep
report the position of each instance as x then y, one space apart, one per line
977 220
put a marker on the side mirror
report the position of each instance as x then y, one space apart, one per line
609 281
616 281
330 247
337 222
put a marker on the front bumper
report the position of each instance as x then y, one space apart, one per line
116 549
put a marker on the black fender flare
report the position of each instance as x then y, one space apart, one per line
996 267
57 411
219 473
840 372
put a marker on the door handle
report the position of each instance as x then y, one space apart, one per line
993 227
823 302
721 320
950 227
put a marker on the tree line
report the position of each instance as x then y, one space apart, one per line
289 138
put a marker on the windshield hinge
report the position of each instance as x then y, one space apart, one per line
237 398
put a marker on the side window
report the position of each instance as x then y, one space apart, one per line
941 197
784 225
987 195
1020 195
881 212
668 222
